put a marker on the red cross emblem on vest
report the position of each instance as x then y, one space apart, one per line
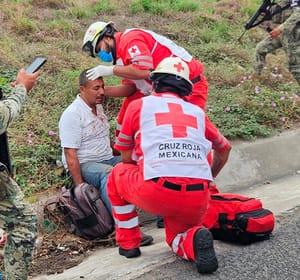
177 119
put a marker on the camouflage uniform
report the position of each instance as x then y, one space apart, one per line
17 217
288 40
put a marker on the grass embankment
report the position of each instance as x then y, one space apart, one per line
242 107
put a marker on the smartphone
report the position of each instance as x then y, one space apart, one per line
36 64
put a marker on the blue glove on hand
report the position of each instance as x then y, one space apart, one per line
100 71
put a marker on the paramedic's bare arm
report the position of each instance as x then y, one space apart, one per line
120 90
126 157
131 72
73 165
115 151
220 145
220 158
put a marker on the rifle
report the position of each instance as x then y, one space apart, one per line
4 148
262 14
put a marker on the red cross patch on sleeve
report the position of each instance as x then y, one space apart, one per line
134 51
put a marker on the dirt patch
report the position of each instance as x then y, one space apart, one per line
57 249
61 251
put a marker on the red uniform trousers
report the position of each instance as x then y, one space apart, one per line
183 211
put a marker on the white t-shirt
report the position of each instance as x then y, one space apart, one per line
80 129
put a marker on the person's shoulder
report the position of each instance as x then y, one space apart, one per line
135 105
72 109
132 33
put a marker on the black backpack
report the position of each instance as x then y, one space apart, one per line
84 211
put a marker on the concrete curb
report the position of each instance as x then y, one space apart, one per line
260 161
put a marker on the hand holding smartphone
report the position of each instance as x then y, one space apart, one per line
36 64
29 80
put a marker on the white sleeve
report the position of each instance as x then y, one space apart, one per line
70 130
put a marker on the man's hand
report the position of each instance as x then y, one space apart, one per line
275 33
25 79
81 184
100 71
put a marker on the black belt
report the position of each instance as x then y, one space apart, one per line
177 187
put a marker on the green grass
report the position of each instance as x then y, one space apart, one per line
242 107
105 7
162 7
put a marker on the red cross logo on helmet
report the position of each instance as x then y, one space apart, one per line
178 67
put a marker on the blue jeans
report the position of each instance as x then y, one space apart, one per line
96 173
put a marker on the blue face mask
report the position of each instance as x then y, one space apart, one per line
105 56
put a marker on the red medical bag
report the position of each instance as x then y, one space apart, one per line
237 218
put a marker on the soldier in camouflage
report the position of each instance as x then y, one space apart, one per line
286 36
17 217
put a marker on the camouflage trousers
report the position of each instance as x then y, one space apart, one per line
19 221
290 43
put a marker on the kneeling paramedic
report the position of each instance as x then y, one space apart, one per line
164 142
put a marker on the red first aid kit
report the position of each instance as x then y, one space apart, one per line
237 218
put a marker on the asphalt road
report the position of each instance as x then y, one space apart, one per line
277 258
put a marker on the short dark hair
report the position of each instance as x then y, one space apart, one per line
83 79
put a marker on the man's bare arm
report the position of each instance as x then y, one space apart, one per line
73 165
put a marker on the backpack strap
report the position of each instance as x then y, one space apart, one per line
51 203
227 224
51 209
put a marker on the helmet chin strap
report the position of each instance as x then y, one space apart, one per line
169 82
114 52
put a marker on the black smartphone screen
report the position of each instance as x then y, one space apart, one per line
36 64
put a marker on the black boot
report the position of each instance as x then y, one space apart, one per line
146 240
205 255
160 222
130 253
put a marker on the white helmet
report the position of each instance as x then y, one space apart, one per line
174 66
96 32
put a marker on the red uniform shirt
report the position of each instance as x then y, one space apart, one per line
141 50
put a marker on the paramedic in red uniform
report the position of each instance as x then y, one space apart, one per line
134 53
164 142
